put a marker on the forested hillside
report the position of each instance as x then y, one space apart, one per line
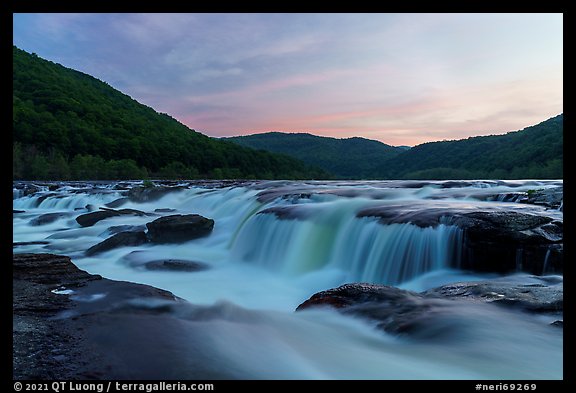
351 158
535 152
69 125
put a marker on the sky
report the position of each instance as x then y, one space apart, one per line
403 79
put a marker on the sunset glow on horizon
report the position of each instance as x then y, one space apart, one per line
403 79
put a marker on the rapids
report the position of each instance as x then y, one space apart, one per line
276 243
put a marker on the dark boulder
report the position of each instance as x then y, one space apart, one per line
181 265
179 228
122 239
89 219
150 194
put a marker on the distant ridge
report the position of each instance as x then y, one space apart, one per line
534 152
352 158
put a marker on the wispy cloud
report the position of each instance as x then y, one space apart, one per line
399 78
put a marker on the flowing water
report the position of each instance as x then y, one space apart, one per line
274 244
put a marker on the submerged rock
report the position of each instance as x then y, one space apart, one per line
179 228
122 228
122 239
48 218
181 265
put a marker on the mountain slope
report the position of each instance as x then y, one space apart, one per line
67 124
350 158
534 152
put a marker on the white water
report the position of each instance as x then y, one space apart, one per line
262 267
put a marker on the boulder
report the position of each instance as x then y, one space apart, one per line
179 228
89 219
122 239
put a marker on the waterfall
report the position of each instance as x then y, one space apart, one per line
363 248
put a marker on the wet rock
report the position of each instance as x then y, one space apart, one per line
495 239
558 323
400 311
50 269
394 310
295 212
181 265
549 197
89 219
46 196
71 325
122 239
27 189
122 228
179 228
48 218
164 210
37 242
117 202
150 194
14 211
534 296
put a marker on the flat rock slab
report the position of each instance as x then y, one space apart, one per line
71 325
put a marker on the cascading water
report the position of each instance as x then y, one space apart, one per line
276 243
361 247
